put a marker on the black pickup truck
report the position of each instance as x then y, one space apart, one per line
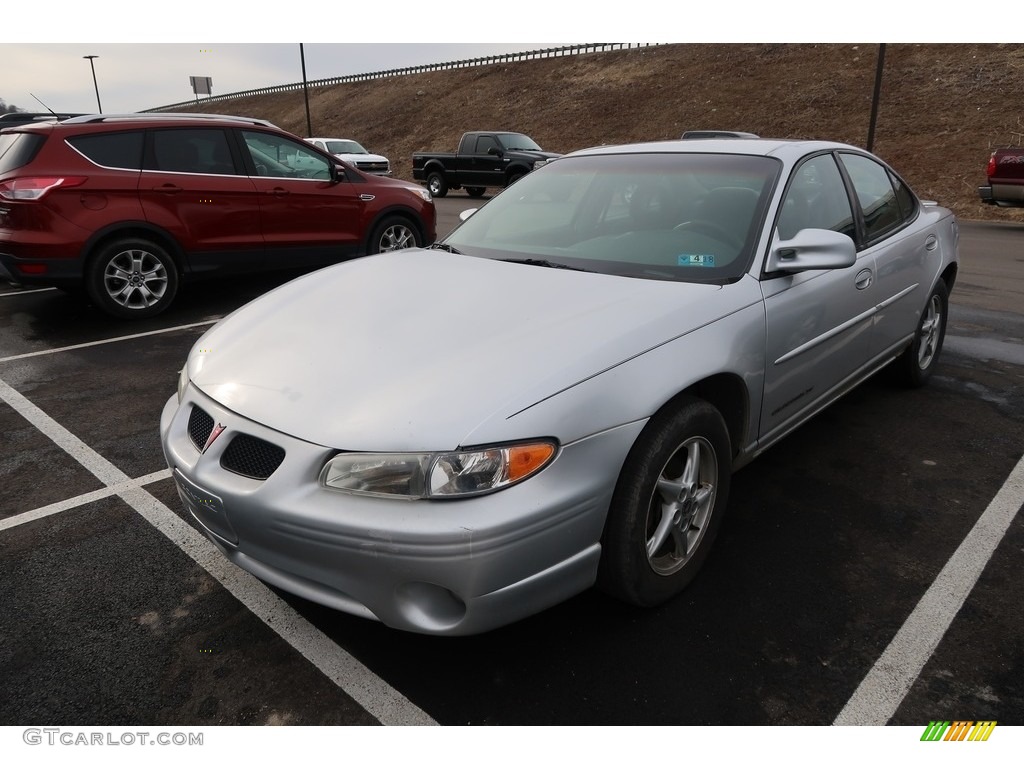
485 159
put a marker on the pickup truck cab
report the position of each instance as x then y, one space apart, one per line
1005 178
485 159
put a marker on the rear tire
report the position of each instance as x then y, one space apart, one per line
476 191
437 185
914 367
132 278
667 506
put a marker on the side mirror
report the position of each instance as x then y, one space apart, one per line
812 249
496 151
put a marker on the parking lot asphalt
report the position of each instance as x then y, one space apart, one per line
848 549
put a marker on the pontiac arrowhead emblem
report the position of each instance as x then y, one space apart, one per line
213 436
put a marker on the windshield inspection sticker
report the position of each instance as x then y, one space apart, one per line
696 260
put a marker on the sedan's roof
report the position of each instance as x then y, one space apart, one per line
783 148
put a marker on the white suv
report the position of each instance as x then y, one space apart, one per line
352 152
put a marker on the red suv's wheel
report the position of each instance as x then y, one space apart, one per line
393 234
132 278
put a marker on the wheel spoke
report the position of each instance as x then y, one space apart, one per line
691 472
703 498
682 542
670 490
661 533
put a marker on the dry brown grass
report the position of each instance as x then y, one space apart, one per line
943 108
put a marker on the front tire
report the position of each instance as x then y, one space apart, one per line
132 278
393 234
667 506
914 367
437 185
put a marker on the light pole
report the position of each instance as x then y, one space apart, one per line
93 67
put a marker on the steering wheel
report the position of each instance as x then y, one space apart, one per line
712 229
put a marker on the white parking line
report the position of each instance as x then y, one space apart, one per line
369 691
78 501
880 693
23 293
106 341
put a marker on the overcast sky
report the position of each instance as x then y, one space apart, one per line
133 77
145 57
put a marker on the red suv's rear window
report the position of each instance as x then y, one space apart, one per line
18 149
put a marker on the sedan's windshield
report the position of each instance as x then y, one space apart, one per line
345 148
670 216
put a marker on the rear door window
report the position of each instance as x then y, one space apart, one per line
875 192
191 150
111 150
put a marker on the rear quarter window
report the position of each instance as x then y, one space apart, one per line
111 150
18 149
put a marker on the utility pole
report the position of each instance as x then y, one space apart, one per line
875 96
305 92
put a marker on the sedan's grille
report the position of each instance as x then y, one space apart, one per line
200 425
251 457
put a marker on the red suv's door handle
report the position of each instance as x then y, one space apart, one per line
278 191
168 189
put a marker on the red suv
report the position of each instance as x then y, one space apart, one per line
129 206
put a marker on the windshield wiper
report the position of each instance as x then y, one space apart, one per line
545 263
446 247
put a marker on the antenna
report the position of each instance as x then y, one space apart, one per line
41 102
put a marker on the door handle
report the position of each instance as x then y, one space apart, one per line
167 189
278 192
864 279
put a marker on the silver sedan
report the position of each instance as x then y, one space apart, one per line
557 394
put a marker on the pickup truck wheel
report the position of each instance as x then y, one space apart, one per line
514 178
132 278
914 367
393 234
476 191
437 185
667 506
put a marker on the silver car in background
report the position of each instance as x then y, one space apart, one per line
557 394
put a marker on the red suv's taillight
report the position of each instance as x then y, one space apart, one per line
991 170
34 187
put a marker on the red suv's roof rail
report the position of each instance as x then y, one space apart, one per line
167 116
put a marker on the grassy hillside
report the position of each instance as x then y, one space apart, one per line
943 108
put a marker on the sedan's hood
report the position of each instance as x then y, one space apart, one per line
361 157
413 350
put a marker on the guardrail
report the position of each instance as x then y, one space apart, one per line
543 53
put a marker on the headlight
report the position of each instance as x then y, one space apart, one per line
182 381
421 191
437 475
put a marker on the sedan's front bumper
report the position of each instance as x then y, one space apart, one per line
441 567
